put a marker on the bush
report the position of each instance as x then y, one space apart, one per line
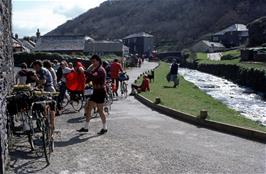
229 57
28 58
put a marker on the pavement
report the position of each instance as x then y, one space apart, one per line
140 140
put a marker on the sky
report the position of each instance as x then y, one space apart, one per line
29 15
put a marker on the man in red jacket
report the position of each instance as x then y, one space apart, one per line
115 69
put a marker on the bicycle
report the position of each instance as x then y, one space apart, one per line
109 92
41 111
108 99
31 107
18 106
123 77
75 99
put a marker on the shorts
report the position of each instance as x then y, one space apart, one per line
98 96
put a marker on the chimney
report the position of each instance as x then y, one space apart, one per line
38 34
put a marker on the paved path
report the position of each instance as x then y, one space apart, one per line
143 141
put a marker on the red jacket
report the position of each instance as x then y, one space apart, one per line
145 86
115 69
76 80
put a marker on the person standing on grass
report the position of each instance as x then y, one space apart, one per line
173 73
115 69
97 75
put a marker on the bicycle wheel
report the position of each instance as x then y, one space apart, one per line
125 89
30 132
66 100
10 130
46 141
109 98
77 103
46 136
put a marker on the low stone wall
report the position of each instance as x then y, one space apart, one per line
230 129
6 75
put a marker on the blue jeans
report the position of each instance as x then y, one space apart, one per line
174 78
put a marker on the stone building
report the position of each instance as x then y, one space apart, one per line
6 75
65 44
233 36
106 47
208 47
140 43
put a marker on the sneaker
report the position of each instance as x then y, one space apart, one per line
102 131
83 130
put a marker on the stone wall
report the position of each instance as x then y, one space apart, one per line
6 75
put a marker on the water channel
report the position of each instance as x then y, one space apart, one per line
244 100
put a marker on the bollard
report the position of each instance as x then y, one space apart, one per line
203 114
157 100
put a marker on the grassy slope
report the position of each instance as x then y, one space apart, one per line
190 99
202 59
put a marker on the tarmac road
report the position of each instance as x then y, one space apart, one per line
140 140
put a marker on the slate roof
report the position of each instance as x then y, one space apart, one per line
61 43
28 44
103 46
213 44
142 34
16 43
235 27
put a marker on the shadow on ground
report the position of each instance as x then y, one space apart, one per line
31 159
168 87
75 140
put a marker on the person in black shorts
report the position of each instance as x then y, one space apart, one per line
97 75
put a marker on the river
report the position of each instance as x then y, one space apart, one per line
244 100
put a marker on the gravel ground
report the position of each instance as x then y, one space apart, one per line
140 140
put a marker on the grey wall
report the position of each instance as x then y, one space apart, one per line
6 75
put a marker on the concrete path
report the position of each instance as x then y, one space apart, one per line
140 140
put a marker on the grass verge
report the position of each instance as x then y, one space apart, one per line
201 58
190 99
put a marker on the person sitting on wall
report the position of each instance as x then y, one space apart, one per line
143 87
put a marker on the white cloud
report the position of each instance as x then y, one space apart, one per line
47 14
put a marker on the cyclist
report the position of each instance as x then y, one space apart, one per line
80 76
62 87
97 75
115 69
44 80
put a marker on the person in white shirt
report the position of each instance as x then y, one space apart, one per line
48 65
